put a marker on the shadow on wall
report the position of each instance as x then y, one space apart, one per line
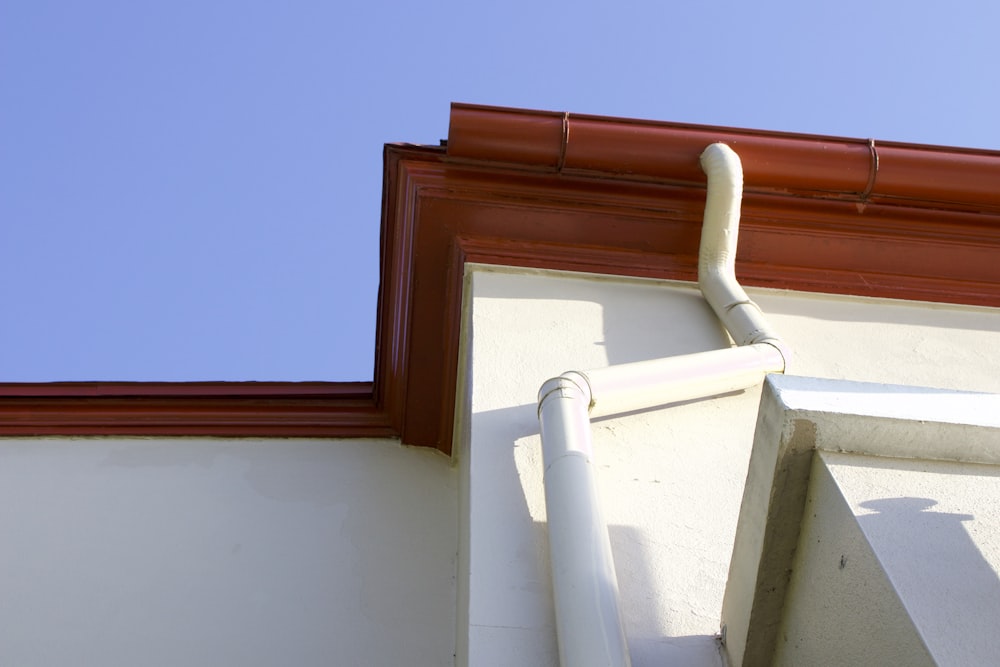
951 590
629 321
645 605
519 560
646 609
641 319
838 308
649 320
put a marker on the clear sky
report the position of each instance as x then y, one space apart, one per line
191 190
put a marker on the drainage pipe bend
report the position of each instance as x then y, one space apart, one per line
742 318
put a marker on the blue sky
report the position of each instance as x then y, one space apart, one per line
191 190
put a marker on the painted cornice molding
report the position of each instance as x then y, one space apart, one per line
581 193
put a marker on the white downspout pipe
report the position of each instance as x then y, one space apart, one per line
584 584
720 230
585 587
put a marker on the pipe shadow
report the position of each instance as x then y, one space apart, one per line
645 608
520 563
524 574
505 540
641 319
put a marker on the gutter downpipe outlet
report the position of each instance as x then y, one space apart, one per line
720 230
585 588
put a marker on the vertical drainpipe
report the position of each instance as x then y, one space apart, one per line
588 618
585 588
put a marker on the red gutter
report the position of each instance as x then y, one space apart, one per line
773 162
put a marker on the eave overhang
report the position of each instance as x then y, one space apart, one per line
581 193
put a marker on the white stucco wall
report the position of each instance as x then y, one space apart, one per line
854 527
934 528
841 609
226 552
671 479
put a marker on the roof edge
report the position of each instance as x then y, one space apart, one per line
844 168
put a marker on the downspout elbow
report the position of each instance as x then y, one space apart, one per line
742 318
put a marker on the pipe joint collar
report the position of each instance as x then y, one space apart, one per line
571 384
783 350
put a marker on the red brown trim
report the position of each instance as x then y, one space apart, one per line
192 408
260 390
582 193
772 162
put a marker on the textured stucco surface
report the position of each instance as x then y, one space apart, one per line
841 608
934 527
671 479
226 552
216 552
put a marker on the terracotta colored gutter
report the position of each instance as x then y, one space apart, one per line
859 169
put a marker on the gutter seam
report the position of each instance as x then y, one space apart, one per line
564 143
872 172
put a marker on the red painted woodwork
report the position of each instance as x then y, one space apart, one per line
560 191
